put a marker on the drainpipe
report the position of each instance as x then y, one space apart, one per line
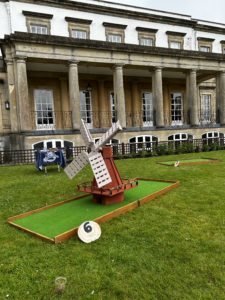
8 12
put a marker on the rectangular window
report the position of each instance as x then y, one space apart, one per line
176 108
45 118
147 109
146 42
86 107
175 39
204 48
113 107
114 38
40 29
175 45
37 22
79 34
206 108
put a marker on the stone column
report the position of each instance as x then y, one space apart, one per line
194 118
119 94
104 116
22 95
136 106
222 98
74 94
158 97
12 97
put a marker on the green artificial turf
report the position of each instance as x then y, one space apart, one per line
59 219
185 161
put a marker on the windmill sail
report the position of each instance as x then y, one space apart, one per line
99 169
106 137
77 164
86 134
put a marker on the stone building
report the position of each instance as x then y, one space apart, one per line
161 74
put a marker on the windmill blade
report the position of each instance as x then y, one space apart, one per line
106 137
86 134
77 165
99 169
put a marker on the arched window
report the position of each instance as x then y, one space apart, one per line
180 138
114 143
54 143
143 142
111 142
213 137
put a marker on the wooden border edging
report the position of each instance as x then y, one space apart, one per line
68 234
209 161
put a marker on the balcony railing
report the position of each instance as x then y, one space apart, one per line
51 120
101 119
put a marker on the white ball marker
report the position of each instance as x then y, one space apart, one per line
176 164
89 231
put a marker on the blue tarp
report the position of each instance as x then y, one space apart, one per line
47 157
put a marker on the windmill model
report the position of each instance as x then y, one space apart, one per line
107 186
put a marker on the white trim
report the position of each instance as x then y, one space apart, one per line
53 141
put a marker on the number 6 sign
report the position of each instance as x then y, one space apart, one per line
89 231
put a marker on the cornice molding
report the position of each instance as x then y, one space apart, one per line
204 39
145 29
123 13
21 37
36 14
175 33
76 20
114 25
209 28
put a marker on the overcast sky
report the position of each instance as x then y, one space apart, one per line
211 10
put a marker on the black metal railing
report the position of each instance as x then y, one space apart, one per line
97 119
52 119
123 150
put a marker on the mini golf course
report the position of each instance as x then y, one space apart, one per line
60 221
197 161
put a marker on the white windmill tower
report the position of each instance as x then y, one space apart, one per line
107 186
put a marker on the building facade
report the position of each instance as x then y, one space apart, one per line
162 75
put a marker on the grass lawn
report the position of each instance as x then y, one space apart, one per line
170 248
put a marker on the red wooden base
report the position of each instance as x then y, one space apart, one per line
106 200
112 192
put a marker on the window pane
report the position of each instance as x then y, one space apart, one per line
205 49
44 109
113 107
147 109
175 45
205 107
146 41
176 108
79 34
115 38
86 107
40 29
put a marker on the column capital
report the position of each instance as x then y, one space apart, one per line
193 70
73 62
20 59
118 66
157 70
8 61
